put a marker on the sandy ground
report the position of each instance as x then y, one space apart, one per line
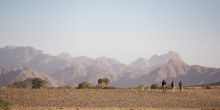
111 108
111 99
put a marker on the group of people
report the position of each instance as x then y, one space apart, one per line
172 86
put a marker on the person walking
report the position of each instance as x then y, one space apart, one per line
164 86
181 86
173 87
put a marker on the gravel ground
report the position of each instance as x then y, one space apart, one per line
111 99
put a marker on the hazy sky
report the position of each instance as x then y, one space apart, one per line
120 29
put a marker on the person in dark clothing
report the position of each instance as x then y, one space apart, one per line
181 86
164 86
173 87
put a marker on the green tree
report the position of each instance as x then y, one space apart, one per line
106 81
100 81
103 82
38 83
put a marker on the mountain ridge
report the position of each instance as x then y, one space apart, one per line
73 70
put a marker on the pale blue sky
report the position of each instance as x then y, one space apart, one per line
120 29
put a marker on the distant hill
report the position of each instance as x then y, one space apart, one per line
72 70
33 58
90 70
9 75
176 70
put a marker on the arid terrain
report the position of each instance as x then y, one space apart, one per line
111 99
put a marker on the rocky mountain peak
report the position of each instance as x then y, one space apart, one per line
156 60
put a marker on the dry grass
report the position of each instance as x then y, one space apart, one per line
110 99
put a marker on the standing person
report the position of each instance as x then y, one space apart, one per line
164 86
181 86
173 87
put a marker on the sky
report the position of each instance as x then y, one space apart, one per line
120 29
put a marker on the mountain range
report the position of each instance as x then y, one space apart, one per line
20 63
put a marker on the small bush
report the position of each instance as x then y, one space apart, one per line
5 105
38 83
84 85
154 86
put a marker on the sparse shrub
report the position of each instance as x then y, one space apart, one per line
208 87
38 83
147 87
154 86
84 85
5 105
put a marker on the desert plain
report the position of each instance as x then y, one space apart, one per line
111 99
